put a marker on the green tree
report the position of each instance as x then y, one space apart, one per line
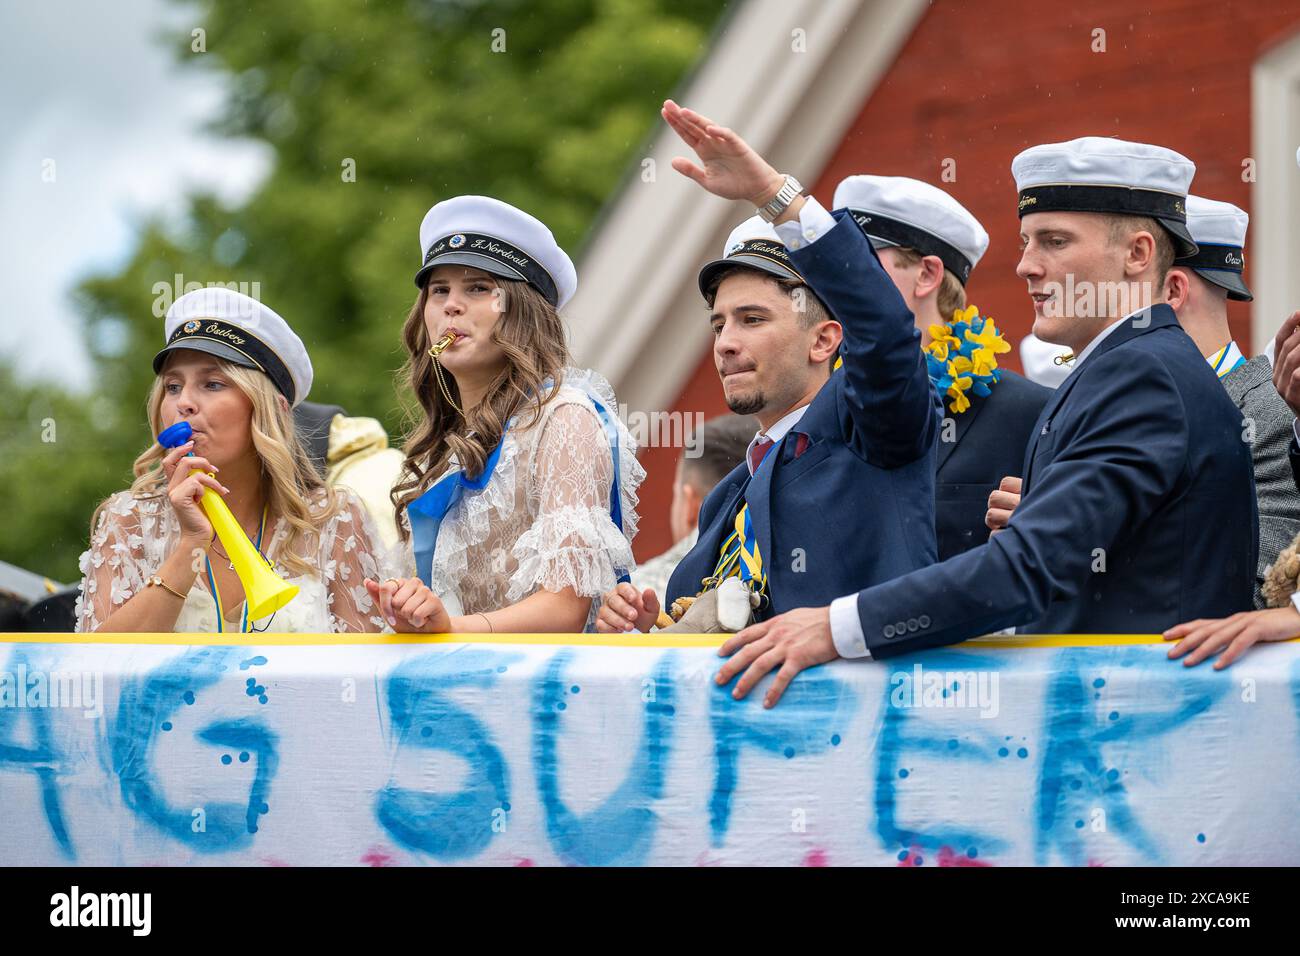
375 111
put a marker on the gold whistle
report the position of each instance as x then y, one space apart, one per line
442 344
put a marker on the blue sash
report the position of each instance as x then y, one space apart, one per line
427 511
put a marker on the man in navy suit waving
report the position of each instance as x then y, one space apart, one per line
837 492
1138 507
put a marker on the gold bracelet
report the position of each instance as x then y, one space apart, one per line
491 629
159 582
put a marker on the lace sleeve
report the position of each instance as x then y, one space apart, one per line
573 541
113 568
351 551
403 551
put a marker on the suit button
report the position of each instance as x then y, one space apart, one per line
889 630
911 624
900 627
924 620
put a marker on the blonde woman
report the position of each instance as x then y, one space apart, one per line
518 494
232 368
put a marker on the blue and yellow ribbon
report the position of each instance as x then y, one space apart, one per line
216 592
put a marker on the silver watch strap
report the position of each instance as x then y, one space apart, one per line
778 203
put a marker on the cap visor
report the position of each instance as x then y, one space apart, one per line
1184 244
711 269
473 260
1231 281
219 349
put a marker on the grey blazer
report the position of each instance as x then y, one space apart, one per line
1251 389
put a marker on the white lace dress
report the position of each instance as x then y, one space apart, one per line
542 522
135 535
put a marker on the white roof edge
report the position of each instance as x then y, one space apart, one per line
638 317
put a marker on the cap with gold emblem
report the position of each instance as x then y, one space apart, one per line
239 329
1099 174
488 234
754 243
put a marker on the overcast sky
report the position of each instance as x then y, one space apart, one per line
92 87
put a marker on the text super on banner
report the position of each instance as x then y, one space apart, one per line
551 754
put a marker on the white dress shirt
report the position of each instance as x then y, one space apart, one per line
813 223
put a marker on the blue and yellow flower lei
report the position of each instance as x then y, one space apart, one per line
962 357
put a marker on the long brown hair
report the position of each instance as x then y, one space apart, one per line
531 335
289 479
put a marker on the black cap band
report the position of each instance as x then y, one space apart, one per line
1214 256
774 252
466 247
1169 209
1124 200
761 254
195 333
926 243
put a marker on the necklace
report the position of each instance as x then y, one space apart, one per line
442 384
230 562
216 592
230 566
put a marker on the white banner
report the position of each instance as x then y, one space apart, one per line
548 754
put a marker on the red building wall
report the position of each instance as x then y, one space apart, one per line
977 82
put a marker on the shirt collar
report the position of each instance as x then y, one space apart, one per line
1226 359
1097 340
776 432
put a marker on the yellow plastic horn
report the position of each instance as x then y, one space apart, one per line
264 590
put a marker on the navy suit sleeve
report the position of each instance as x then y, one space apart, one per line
1105 469
891 412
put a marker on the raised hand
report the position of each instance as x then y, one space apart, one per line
731 168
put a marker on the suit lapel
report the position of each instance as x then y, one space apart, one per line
1161 315
727 519
1043 425
962 425
758 495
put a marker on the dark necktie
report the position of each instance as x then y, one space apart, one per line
757 452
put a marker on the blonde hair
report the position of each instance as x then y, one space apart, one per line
951 296
531 335
291 482
1283 576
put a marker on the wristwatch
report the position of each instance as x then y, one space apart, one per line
784 196
156 581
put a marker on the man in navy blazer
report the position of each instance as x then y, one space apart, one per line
1138 508
839 482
